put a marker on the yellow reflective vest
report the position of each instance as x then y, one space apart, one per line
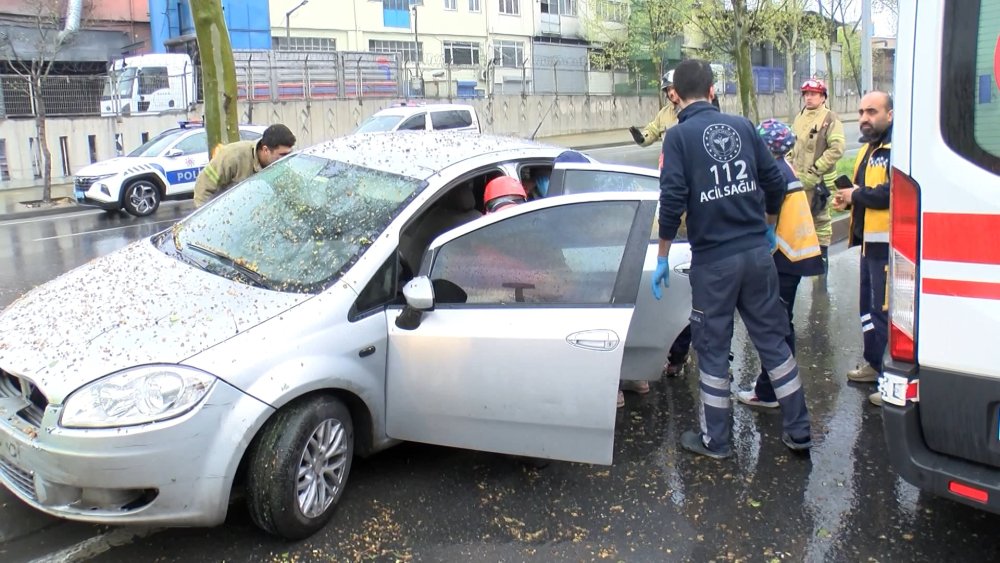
797 251
876 177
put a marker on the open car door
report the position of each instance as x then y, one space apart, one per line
655 324
519 351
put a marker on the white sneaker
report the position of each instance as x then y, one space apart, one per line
750 398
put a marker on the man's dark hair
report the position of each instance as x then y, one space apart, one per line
693 79
276 136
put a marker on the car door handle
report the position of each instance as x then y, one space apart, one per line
600 339
683 269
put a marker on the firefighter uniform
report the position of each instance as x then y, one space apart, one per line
665 119
231 164
719 171
818 131
870 230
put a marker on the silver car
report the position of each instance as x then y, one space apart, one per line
345 298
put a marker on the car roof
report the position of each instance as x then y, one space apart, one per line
421 154
412 109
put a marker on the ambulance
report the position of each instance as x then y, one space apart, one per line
941 379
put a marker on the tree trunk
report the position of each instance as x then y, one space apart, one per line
831 83
218 72
42 140
790 79
744 69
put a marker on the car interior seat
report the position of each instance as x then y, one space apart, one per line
455 208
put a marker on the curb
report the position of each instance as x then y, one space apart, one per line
31 214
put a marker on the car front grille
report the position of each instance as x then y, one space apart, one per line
83 182
13 386
21 480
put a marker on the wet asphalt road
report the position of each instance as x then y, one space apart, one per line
656 502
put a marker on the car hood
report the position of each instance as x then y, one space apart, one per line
119 165
132 307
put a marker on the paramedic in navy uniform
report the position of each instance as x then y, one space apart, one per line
718 170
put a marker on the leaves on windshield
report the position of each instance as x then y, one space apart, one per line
301 222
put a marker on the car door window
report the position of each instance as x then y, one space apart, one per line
194 144
542 257
416 123
451 119
589 181
249 135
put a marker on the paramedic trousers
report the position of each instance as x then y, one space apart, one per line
788 285
746 282
874 309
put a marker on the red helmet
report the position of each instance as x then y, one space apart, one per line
503 189
814 85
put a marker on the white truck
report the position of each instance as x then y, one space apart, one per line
149 84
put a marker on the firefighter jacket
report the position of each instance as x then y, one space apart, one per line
231 164
665 119
870 201
797 251
820 144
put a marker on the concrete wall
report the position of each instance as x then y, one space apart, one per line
316 121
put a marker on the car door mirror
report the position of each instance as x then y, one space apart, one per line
173 153
419 293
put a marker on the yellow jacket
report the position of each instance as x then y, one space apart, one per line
808 128
871 199
665 119
231 164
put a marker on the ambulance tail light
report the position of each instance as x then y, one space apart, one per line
903 266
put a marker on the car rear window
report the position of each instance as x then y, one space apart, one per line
451 119
970 107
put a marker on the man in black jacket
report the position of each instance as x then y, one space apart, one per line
718 170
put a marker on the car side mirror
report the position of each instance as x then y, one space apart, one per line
173 153
419 293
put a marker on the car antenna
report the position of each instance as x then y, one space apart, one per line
542 120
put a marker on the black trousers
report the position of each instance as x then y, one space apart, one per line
788 286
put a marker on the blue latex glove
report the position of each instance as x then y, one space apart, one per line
542 185
772 238
661 275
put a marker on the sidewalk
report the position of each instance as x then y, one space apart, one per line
12 201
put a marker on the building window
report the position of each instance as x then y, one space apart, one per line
461 53
612 11
4 170
396 13
474 5
508 54
407 50
510 7
309 44
450 4
559 7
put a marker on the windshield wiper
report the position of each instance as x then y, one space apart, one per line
248 273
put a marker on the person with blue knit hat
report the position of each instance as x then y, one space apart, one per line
797 251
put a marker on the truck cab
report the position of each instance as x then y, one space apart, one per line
148 85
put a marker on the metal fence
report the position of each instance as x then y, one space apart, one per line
62 95
274 76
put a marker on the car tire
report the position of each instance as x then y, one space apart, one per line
141 198
314 437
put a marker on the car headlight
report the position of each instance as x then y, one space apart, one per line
136 396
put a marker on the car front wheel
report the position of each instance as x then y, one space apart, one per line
298 467
141 198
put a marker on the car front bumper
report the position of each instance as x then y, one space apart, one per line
101 194
175 472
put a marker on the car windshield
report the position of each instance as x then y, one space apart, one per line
120 79
157 144
379 123
296 226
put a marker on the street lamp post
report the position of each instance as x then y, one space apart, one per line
288 16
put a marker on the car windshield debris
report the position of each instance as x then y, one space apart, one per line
244 269
298 224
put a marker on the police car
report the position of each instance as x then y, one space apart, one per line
164 167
